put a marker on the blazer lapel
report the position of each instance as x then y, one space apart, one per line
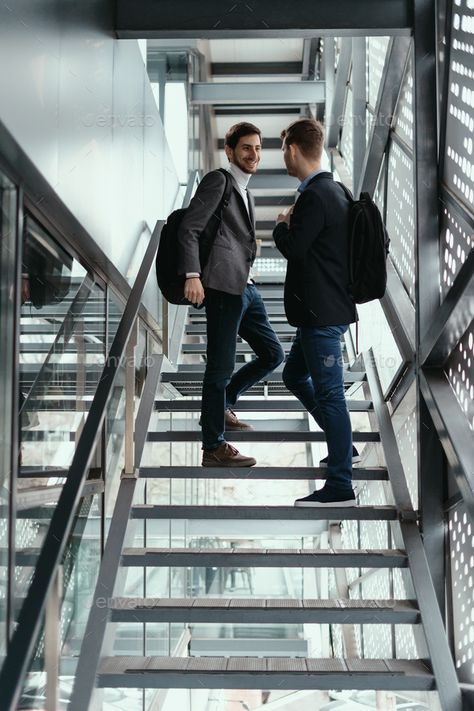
251 210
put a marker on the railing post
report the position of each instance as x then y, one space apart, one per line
129 466
166 328
52 641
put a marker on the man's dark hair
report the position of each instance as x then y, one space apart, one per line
308 135
235 133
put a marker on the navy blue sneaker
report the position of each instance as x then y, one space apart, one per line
328 498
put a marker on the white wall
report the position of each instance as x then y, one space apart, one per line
80 105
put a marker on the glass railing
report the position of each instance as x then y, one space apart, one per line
75 354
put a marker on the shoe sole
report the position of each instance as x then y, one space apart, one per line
355 460
330 504
248 463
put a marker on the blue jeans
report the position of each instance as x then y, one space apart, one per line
314 374
227 317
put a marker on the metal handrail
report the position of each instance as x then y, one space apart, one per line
26 634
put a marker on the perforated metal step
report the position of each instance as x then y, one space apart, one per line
225 610
268 473
188 373
281 513
195 329
273 405
266 673
281 436
262 557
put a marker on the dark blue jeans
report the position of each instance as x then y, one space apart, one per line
314 374
227 316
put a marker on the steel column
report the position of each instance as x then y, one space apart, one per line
359 106
427 274
329 62
340 88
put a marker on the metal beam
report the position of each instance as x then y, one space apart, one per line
232 69
393 71
257 111
269 18
257 93
452 319
336 110
359 101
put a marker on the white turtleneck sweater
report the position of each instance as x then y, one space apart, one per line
242 180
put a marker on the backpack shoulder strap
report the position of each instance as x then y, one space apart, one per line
347 192
228 187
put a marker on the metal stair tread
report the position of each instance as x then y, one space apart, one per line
304 473
195 435
273 405
195 375
283 513
264 557
248 672
265 610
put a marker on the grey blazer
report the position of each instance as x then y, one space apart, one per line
234 248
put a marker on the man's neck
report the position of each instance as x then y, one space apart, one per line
308 170
241 177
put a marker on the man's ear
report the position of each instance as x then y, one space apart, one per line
294 150
229 152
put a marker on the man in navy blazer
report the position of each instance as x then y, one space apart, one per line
233 303
313 237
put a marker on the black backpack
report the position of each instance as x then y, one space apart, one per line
368 249
171 283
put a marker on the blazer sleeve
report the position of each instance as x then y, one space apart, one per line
200 210
306 223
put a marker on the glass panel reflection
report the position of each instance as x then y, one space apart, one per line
76 585
8 207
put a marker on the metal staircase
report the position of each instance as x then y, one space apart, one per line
99 666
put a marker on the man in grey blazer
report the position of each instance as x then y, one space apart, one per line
232 302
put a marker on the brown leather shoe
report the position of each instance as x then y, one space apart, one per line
233 423
226 456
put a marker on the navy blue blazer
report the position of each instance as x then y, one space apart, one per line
316 247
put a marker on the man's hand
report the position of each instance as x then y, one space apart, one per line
193 290
285 216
